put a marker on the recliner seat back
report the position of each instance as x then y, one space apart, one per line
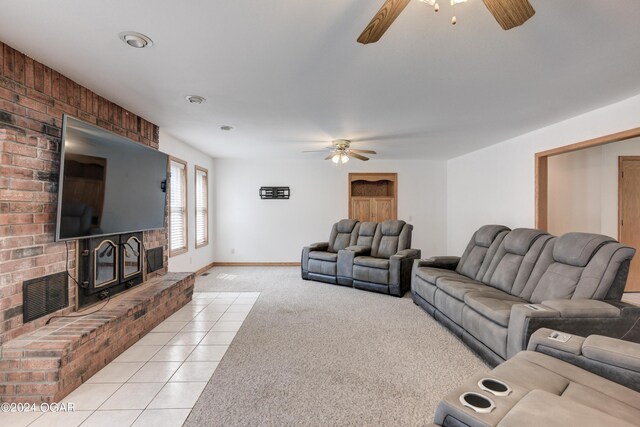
480 251
511 266
366 234
581 266
391 237
343 234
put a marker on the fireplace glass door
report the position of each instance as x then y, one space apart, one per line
106 264
132 261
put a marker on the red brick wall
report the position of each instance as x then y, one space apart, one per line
33 98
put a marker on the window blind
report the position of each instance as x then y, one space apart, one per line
202 207
178 207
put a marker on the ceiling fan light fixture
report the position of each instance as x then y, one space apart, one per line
429 2
336 158
455 2
344 158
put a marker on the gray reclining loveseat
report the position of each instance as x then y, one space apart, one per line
507 284
378 259
562 380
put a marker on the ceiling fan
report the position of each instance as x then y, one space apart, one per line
508 13
340 152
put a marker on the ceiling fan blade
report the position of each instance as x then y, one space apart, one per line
364 151
329 156
382 21
356 156
510 13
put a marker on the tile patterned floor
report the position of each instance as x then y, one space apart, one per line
157 381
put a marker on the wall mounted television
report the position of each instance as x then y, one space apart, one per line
108 184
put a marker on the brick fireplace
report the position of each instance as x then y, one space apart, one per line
33 98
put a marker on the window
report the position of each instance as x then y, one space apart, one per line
202 207
177 207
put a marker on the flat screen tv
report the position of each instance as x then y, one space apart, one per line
108 184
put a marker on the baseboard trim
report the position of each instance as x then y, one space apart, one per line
205 268
255 264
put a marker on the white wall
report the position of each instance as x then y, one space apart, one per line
583 188
253 230
496 184
194 259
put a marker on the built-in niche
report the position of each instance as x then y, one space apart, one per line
373 196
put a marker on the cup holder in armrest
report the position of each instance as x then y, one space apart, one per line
495 387
477 402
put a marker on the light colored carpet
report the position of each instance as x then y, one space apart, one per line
311 353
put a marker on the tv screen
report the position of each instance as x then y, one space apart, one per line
108 184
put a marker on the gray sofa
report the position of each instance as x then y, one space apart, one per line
561 380
378 259
509 283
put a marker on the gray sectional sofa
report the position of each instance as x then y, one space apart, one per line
509 283
561 380
369 256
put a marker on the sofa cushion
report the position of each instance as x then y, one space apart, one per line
432 274
327 268
458 288
391 236
371 274
368 261
343 234
480 250
366 233
576 249
520 240
346 225
323 256
493 304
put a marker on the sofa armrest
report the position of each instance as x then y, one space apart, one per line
358 250
346 257
545 337
582 308
611 351
518 330
304 262
319 246
610 358
444 262
408 253
400 266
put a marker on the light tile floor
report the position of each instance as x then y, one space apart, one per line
158 380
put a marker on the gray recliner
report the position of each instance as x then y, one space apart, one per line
387 268
320 260
561 380
525 279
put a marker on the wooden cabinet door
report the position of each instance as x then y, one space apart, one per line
361 209
382 208
629 219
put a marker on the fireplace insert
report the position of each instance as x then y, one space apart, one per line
108 265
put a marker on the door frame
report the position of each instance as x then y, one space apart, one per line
542 170
621 160
375 176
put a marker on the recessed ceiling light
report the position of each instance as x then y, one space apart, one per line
195 99
137 40
226 127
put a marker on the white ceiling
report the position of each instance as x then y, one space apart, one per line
288 74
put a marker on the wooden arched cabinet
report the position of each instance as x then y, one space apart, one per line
373 196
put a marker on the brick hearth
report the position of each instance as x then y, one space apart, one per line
50 362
